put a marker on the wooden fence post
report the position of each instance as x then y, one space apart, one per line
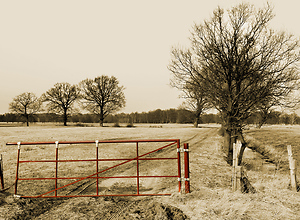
292 163
1 172
236 170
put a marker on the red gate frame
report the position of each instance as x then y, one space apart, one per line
137 158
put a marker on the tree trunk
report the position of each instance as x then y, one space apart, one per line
196 122
264 114
244 145
228 146
65 117
27 119
101 120
26 116
230 136
101 115
197 117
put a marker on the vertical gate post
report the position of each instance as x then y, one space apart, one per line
179 166
17 172
137 168
186 168
56 165
1 173
97 167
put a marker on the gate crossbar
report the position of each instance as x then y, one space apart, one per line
93 176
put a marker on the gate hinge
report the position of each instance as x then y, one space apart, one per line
181 150
183 179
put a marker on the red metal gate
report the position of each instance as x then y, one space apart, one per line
96 175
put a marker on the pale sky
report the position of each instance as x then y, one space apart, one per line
46 42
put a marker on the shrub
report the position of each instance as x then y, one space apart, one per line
116 125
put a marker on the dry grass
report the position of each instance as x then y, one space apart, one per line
211 196
272 141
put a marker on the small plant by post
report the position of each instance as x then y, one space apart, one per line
239 176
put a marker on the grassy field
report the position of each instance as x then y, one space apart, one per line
276 138
210 197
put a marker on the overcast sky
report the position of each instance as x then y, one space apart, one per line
46 42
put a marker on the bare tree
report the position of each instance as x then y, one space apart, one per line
194 93
197 105
61 99
25 104
102 96
241 64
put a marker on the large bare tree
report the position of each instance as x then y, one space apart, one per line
61 99
241 64
25 104
102 96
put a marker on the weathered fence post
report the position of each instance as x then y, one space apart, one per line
292 163
236 170
1 172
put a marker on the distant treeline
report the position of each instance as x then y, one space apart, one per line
157 116
181 116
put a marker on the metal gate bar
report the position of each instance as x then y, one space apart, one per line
1 172
96 175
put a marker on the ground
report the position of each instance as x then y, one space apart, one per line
210 198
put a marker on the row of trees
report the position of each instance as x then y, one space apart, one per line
158 116
100 96
182 116
238 65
